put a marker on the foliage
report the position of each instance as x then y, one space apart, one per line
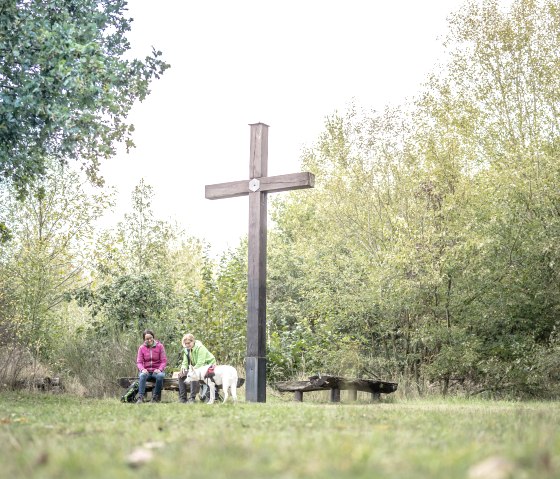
429 240
129 294
65 84
130 302
494 109
145 268
47 256
216 311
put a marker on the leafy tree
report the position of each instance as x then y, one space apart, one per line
441 223
145 242
47 257
132 302
65 84
133 286
144 270
319 299
498 100
216 308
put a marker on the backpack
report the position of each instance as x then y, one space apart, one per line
131 392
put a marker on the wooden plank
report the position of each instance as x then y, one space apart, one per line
169 384
256 281
292 181
365 385
230 189
335 395
353 394
255 390
323 383
269 184
43 384
258 155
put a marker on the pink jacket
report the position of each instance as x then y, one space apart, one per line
151 358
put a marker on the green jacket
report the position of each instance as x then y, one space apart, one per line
200 356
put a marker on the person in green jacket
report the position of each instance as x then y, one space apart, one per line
196 355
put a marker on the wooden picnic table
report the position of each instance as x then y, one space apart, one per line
335 384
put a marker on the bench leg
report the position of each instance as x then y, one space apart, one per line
353 394
376 397
335 395
298 396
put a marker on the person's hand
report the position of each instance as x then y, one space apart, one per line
144 371
157 371
183 372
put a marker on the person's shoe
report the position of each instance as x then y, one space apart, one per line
182 400
140 400
190 400
156 398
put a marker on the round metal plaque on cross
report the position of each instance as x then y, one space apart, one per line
254 184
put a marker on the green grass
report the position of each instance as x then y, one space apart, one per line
60 436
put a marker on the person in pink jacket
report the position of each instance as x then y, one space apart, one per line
151 361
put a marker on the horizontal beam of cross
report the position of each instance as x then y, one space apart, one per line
269 184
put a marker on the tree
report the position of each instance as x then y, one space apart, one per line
65 85
140 243
143 270
433 241
498 99
52 232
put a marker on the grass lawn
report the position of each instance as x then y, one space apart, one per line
60 436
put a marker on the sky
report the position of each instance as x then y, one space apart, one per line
288 64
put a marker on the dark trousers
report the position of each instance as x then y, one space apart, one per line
195 387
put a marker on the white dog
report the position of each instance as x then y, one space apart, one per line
224 375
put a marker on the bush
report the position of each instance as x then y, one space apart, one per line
16 366
93 363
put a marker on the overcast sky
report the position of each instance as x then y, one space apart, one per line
286 63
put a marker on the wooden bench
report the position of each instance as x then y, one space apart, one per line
169 384
335 384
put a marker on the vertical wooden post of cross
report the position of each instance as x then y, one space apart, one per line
255 362
257 187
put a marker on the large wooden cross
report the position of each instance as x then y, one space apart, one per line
257 187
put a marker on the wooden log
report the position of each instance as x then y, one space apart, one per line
46 384
302 386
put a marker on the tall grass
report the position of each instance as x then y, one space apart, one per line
49 436
93 367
